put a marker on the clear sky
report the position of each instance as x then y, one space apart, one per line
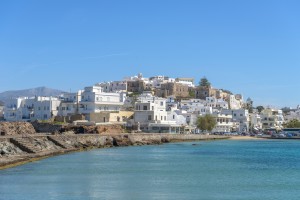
249 47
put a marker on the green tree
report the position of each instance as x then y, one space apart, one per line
260 108
192 93
206 123
295 123
204 82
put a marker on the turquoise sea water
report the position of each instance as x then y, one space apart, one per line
217 170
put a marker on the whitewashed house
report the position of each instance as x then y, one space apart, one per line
216 103
196 106
235 102
30 109
255 121
113 86
70 103
272 118
94 100
240 118
224 123
151 116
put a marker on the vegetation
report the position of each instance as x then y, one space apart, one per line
204 82
260 108
206 123
295 123
192 93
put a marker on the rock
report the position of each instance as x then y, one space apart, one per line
165 140
16 128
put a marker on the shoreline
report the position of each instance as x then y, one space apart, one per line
246 138
85 142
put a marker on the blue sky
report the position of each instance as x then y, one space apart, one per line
248 47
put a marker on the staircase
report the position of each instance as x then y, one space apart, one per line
25 144
59 141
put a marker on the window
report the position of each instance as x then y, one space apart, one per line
161 103
149 117
241 115
161 118
145 108
152 107
173 116
165 118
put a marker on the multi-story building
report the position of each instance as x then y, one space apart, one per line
195 106
173 89
224 123
30 109
216 103
255 122
136 86
272 118
94 100
202 92
70 103
235 102
151 115
240 118
114 86
186 81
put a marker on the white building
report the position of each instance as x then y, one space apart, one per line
196 106
70 103
114 86
151 115
235 102
30 109
255 121
293 114
272 118
224 123
216 103
240 118
94 100
186 81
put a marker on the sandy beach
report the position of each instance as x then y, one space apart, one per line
245 138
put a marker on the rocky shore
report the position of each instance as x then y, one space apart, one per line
16 150
17 147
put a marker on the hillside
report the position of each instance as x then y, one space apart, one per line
39 91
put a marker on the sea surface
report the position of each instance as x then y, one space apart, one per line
214 170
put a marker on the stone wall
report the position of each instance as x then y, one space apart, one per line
45 127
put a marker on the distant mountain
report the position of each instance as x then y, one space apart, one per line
39 91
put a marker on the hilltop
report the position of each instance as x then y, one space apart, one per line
39 91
